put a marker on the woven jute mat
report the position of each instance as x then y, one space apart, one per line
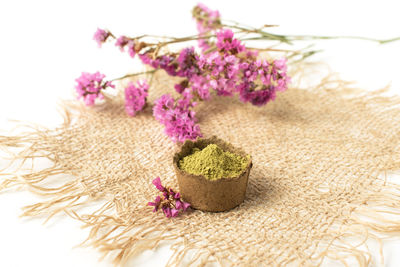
317 191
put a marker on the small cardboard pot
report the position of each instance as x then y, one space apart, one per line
211 195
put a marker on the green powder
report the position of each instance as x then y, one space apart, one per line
213 163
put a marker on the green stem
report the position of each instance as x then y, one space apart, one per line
290 38
389 40
312 37
185 39
248 29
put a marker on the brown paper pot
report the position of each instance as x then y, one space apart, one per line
203 194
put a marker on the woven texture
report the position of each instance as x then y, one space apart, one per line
319 162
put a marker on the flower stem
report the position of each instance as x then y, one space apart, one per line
267 35
291 38
134 74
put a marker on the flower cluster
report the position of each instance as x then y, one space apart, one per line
233 68
164 62
226 43
207 20
135 97
187 63
261 80
177 116
183 64
100 36
123 42
89 86
170 202
224 67
221 72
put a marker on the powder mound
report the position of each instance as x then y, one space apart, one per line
213 163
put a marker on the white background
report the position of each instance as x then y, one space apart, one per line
44 46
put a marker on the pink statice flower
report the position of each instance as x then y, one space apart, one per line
155 204
89 86
131 48
201 86
157 183
165 62
170 212
187 63
123 42
218 70
260 97
162 107
221 71
207 20
203 43
177 116
261 80
180 87
170 203
227 43
100 36
135 97
146 59
181 205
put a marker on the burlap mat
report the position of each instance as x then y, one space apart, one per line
320 157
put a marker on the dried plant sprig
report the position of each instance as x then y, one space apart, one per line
224 66
135 97
230 69
170 202
90 85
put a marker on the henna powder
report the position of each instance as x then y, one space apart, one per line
213 163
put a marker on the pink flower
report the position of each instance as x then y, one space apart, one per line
170 212
177 116
207 20
203 43
257 97
121 42
158 185
176 195
155 204
226 42
135 97
207 15
187 63
183 64
171 204
146 59
131 48
221 73
181 205
165 62
261 80
180 87
201 86
162 106
89 87
100 36
174 212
